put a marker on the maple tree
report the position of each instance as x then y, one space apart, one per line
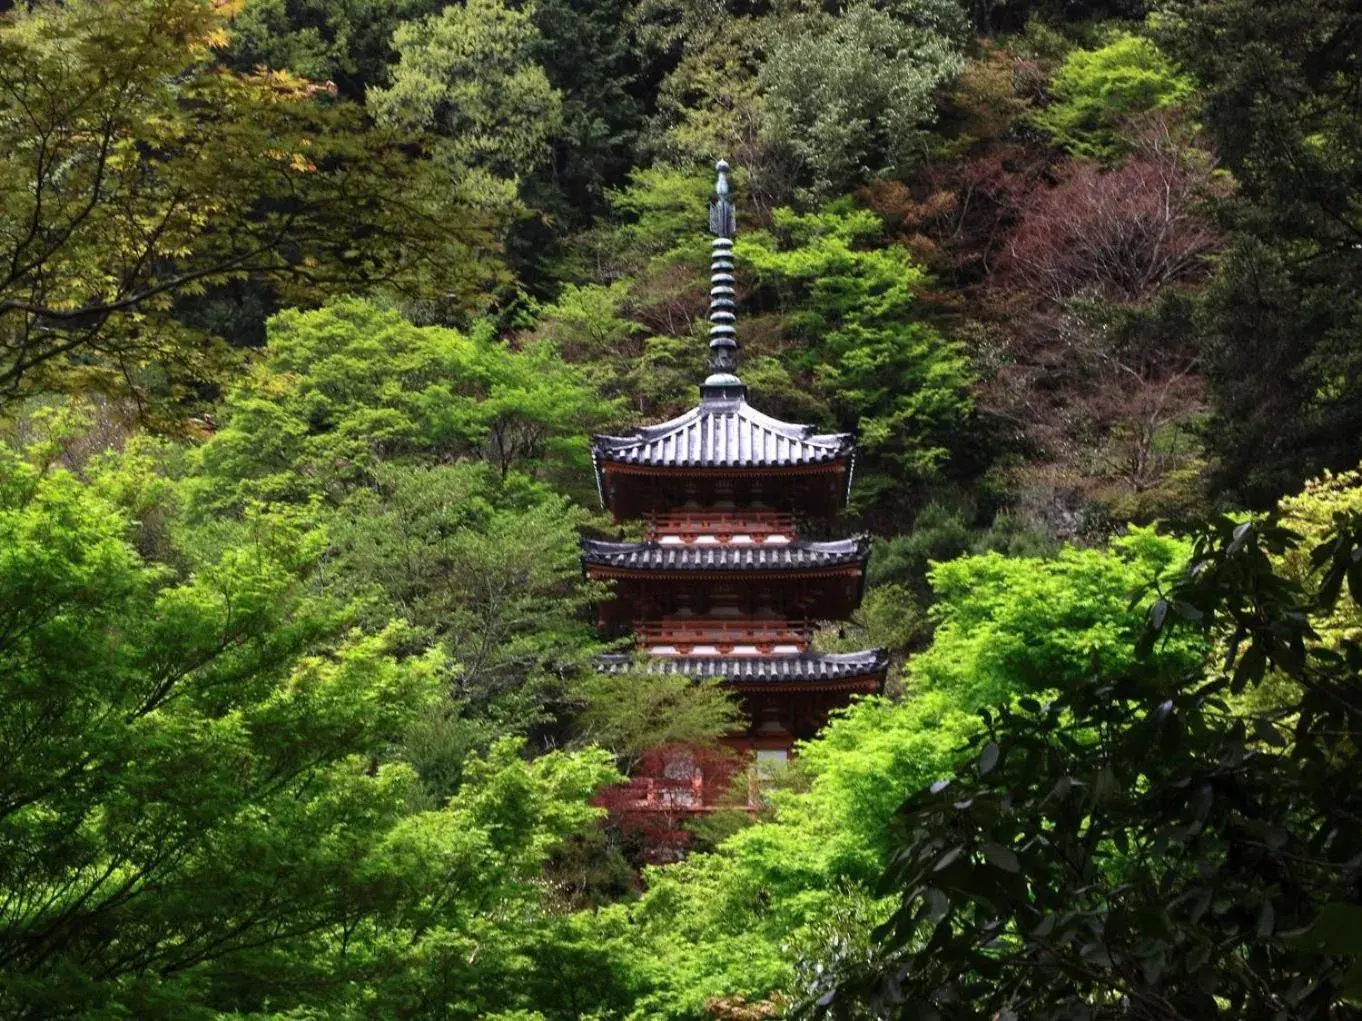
140 173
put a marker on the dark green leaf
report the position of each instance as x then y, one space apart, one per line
1000 857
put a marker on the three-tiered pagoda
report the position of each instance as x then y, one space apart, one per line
724 584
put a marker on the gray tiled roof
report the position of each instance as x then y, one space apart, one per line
798 555
809 666
723 434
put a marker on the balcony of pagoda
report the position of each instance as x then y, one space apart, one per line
746 636
721 527
681 785
632 492
662 794
830 595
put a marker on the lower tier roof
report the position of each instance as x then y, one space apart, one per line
808 668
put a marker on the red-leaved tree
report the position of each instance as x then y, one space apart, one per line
1117 234
1106 392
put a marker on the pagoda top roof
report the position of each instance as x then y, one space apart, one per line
723 433
808 667
798 555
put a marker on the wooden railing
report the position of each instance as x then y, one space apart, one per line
683 634
657 794
690 525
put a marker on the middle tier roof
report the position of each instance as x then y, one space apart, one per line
799 555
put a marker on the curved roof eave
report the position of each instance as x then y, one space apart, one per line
798 555
723 434
808 666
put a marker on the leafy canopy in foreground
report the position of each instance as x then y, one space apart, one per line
1150 843
198 804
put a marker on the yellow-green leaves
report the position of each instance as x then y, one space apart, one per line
468 73
1096 92
346 388
138 172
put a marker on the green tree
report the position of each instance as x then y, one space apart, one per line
347 387
1095 93
348 43
469 73
475 938
138 172
1023 623
852 308
723 924
200 811
851 95
710 102
942 532
631 713
415 446
587 54
490 571
1279 323
1167 852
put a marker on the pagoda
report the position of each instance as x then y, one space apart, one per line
725 584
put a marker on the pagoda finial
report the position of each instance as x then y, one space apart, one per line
722 382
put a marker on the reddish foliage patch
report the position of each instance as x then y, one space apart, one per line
1115 234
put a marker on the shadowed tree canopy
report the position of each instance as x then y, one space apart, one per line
348 42
1281 319
137 171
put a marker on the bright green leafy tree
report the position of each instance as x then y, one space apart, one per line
490 571
853 309
1097 92
199 809
1008 623
345 388
416 446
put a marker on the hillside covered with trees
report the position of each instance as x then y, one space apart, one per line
307 311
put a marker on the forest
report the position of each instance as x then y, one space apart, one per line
307 311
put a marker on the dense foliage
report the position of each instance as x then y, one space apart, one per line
307 309
1153 841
